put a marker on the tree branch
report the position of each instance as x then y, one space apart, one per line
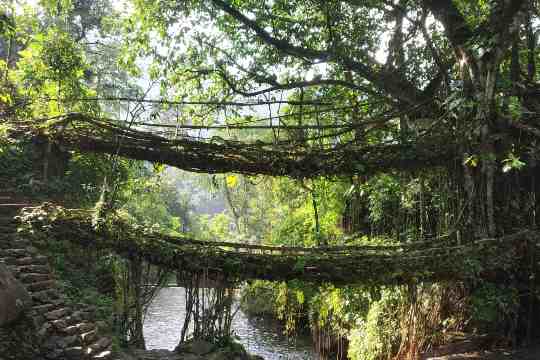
454 23
293 85
390 82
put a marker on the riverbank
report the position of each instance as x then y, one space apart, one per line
530 353
170 355
477 347
455 351
194 350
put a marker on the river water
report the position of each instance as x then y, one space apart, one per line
165 318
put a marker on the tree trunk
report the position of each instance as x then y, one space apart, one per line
137 336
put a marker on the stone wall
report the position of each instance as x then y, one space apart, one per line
48 328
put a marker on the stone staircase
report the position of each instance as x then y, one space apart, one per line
63 332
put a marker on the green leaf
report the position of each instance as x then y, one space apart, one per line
231 180
471 161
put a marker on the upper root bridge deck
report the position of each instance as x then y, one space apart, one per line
216 155
437 260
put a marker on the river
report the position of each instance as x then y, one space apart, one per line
261 337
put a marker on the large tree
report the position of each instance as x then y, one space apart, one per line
458 76
367 86
310 88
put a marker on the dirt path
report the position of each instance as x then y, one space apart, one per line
524 354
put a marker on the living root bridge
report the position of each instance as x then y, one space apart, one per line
437 260
216 155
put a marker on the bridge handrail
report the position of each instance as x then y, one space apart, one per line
432 245
342 248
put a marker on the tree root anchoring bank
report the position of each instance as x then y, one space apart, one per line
209 310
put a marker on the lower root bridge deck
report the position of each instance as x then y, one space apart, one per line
436 260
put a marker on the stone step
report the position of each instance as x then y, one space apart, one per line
41 260
8 223
8 232
89 337
38 320
45 330
107 354
57 346
41 297
8 229
9 210
79 328
54 353
31 250
44 308
67 321
7 243
12 208
86 326
70 341
8 219
14 270
61 325
7 189
18 253
34 277
40 285
40 269
88 315
99 346
57 314
74 353
19 243
45 296
13 204
28 260
8 260
7 235
58 301
78 315
5 240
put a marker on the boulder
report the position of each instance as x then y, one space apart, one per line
14 299
197 347
155 355
201 347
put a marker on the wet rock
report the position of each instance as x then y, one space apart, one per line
192 357
197 347
220 355
197 351
155 355
14 299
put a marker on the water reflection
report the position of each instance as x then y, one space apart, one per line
165 317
